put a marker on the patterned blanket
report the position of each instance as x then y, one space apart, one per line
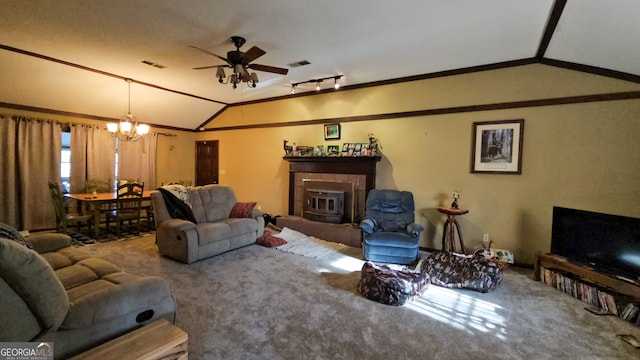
176 198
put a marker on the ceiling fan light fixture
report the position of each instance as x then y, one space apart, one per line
239 62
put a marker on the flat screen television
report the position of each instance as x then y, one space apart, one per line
608 243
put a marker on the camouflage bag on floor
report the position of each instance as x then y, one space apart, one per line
455 271
392 287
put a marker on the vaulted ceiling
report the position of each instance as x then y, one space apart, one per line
72 56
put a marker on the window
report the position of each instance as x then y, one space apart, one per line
65 160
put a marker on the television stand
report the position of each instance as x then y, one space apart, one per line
624 286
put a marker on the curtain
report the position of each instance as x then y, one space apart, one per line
101 154
137 160
9 190
78 149
30 159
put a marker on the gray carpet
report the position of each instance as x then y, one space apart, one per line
261 303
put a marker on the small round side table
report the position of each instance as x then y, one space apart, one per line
450 227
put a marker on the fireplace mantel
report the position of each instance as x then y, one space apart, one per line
348 165
334 164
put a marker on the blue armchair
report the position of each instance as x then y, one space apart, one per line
390 234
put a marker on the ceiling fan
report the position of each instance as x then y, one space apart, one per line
240 62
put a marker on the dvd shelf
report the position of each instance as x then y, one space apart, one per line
609 296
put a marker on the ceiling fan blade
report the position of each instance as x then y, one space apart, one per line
252 54
210 53
206 67
267 68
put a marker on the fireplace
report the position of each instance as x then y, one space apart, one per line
353 175
324 205
325 179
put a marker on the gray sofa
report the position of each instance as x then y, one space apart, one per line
213 231
53 292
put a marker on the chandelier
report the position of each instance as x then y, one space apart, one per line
128 129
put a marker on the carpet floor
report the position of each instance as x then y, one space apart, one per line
261 303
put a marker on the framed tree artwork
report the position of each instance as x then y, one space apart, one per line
332 132
497 147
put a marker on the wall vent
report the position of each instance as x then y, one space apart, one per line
299 63
151 63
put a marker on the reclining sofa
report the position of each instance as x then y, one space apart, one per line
51 291
209 230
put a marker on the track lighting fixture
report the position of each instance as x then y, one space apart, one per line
336 84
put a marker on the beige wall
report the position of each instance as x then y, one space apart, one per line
175 158
580 155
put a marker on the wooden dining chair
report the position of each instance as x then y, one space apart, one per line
98 185
128 206
63 218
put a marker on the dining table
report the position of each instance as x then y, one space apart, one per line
93 202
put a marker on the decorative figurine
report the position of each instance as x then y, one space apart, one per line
373 144
288 149
455 195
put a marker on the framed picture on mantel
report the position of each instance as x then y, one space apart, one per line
332 132
497 147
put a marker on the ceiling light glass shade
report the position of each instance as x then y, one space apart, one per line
253 79
125 124
220 74
142 129
239 70
112 127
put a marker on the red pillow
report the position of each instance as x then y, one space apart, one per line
242 210
269 240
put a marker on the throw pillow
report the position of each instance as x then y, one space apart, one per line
8 232
268 240
242 210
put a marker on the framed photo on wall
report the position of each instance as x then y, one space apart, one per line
332 132
497 147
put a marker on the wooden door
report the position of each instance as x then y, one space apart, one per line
206 162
